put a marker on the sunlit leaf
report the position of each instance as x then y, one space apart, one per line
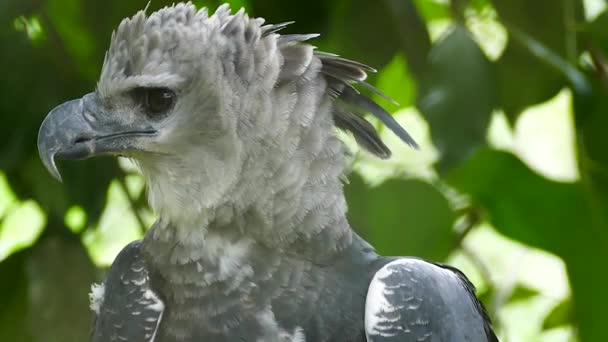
30 26
20 228
396 82
116 227
75 218
433 9
479 5
7 197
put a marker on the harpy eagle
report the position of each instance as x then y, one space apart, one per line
233 127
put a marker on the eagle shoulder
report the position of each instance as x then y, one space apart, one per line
126 306
410 299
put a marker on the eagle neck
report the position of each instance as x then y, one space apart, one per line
301 213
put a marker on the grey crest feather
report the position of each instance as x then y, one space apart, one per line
267 30
362 103
343 76
145 42
365 134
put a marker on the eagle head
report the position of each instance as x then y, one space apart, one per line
216 109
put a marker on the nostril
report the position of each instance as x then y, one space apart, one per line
82 138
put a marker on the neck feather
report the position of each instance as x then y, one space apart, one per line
288 196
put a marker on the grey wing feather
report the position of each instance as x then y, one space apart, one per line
466 283
413 300
130 310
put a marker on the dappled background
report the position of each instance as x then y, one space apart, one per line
507 98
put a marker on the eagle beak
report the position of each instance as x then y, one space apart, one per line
62 135
79 129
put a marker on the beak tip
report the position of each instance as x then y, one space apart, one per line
55 173
49 163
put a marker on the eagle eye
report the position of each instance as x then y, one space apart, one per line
155 101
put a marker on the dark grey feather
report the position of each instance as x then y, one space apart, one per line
343 76
360 102
378 92
364 133
344 73
130 308
466 283
330 58
335 66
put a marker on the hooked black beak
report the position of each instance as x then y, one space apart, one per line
76 130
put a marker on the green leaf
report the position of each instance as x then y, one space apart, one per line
458 96
309 16
50 194
363 30
59 275
13 295
402 217
479 5
524 79
522 293
557 217
44 293
235 5
20 228
549 21
562 314
67 19
87 184
520 203
591 121
395 81
373 31
596 32
414 39
433 10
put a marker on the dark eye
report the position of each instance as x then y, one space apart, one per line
155 101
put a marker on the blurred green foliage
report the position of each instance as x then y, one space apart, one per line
51 51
